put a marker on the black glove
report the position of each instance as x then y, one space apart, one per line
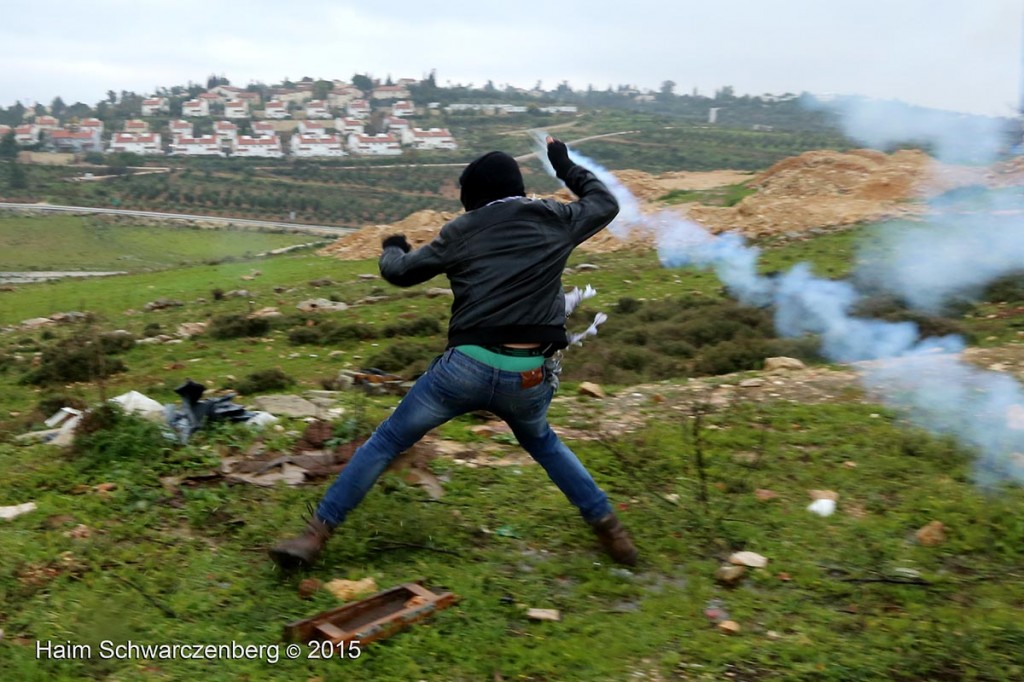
558 155
396 240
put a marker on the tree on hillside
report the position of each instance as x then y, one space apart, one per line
57 107
322 88
213 80
8 146
667 89
363 82
17 178
111 96
78 110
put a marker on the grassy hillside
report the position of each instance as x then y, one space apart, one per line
161 558
80 243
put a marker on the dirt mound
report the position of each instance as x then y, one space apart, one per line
826 189
818 189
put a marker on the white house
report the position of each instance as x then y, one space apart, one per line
558 110
398 126
358 108
226 132
206 145
263 129
26 134
374 145
265 147
403 108
137 143
432 138
226 91
136 126
211 97
236 108
346 126
342 95
91 124
317 108
46 123
390 92
296 95
155 106
195 107
180 128
275 109
250 97
85 140
312 127
316 145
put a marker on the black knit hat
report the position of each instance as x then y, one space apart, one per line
493 176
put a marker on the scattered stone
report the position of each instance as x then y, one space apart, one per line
824 495
162 304
105 488
784 577
586 267
730 575
591 389
266 313
368 276
435 292
309 587
79 532
850 464
752 383
322 282
931 534
782 363
729 627
238 293
544 614
765 495
286 405
749 559
190 329
345 590
321 305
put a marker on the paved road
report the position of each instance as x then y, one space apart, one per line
292 227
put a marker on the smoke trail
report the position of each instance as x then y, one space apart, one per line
926 379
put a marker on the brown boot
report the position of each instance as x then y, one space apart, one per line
302 551
615 539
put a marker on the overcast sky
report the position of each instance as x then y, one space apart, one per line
963 55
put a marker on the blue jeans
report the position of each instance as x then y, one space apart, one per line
453 385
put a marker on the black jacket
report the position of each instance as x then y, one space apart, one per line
505 263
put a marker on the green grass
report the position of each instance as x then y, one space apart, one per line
77 243
729 195
189 566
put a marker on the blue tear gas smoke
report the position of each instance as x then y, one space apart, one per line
925 379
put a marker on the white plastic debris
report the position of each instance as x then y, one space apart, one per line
577 296
61 415
261 419
8 513
822 507
137 403
577 339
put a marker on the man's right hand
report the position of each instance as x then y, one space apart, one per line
396 240
558 155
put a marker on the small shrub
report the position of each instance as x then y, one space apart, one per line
49 403
627 305
76 358
108 435
732 356
401 355
217 294
116 342
152 329
1009 289
233 326
264 380
421 326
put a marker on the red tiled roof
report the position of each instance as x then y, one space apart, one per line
69 135
257 141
